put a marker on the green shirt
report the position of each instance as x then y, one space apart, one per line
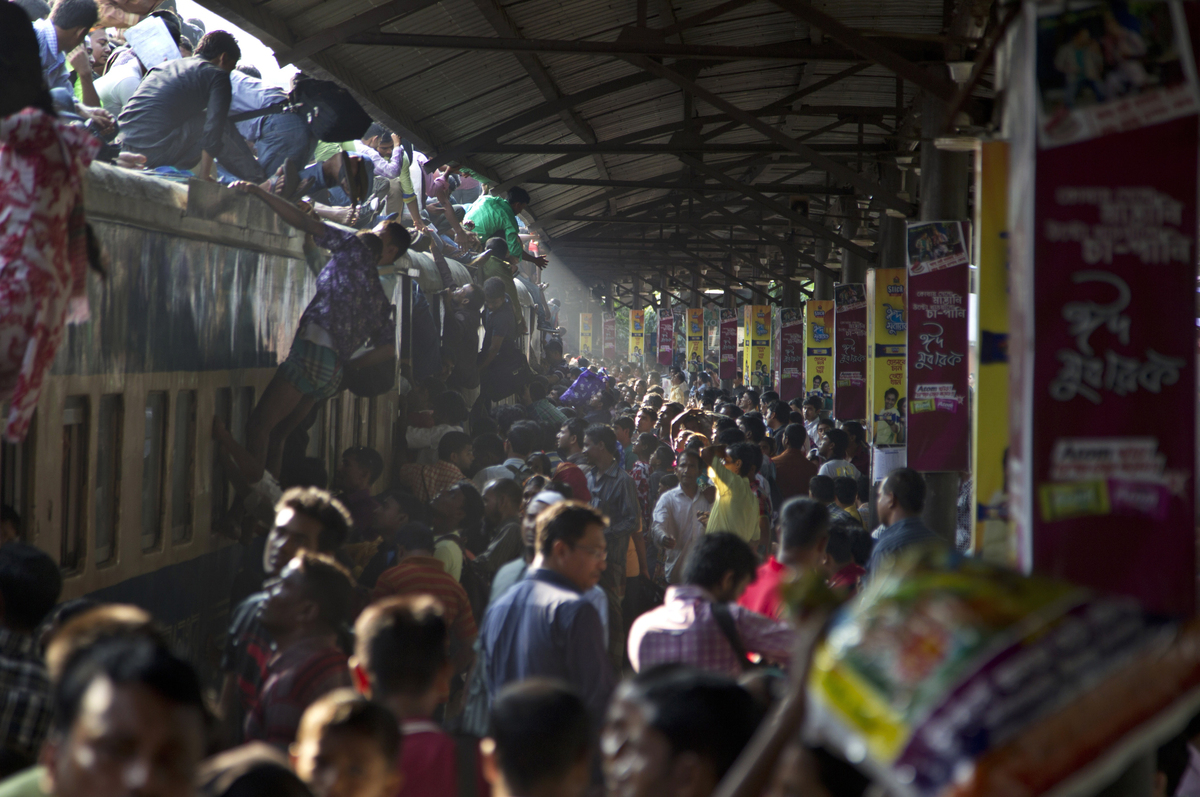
326 150
493 217
736 507
26 783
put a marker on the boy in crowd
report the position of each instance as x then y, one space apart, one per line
348 746
361 467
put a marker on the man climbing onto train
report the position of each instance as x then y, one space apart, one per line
349 310
496 217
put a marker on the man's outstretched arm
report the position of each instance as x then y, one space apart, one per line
286 210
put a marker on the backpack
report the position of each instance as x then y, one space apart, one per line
334 114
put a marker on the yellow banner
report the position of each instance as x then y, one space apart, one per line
887 335
756 367
818 349
695 340
585 334
637 329
992 533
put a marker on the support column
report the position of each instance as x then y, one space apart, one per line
791 290
637 292
944 184
854 268
822 281
891 228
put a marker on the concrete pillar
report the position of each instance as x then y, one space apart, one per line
854 268
791 290
637 292
945 177
891 229
822 281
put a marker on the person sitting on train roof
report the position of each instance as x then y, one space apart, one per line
494 216
311 519
392 162
306 608
348 310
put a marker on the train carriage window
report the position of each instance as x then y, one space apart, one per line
71 501
153 469
223 409
108 475
16 463
333 452
183 466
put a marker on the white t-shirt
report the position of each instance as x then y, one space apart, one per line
835 468
116 87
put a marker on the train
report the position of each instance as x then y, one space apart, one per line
118 478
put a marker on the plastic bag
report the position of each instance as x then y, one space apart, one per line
583 389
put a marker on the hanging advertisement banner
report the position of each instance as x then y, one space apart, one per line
637 330
818 349
887 332
585 334
608 346
729 335
850 345
791 353
666 337
939 424
695 340
756 366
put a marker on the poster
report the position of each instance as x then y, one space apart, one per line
608 346
1102 459
887 334
850 347
939 421
637 331
585 334
1104 68
666 338
729 335
791 353
695 340
818 349
756 366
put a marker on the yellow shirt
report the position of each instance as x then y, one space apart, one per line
736 507
450 555
679 393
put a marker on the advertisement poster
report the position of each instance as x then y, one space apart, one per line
818 349
1104 352
887 333
1105 68
850 345
756 367
939 421
666 338
729 335
791 353
585 334
608 345
637 331
695 340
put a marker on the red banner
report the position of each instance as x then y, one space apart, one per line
666 337
850 350
939 422
729 322
791 353
608 347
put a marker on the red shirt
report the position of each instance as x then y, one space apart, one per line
763 595
429 761
424 574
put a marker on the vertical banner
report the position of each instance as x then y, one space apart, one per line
666 337
1103 357
791 353
887 332
818 349
637 329
990 449
728 333
939 423
608 346
756 366
850 345
585 334
695 340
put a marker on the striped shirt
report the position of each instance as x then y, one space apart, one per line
424 574
426 481
296 677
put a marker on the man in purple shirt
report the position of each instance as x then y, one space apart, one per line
348 310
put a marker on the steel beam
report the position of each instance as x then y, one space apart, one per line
342 31
759 147
654 185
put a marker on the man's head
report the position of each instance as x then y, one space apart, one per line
687 468
812 408
493 293
901 495
856 435
450 408
100 48
675 731
804 530
347 746
361 467
723 564
744 459
456 448
644 445
220 49
834 444
752 426
30 583
570 539
539 740
379 138
519 198
624 427
795 434
748 400
537 503
522 439
400 649
487 450
777 414
395 240
129 719
823 427
73 19
313 595
645 419
845 491
457 507
501 500
820 488
396 508
599 446
768 398
305 518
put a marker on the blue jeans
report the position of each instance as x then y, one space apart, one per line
284 135
337 197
